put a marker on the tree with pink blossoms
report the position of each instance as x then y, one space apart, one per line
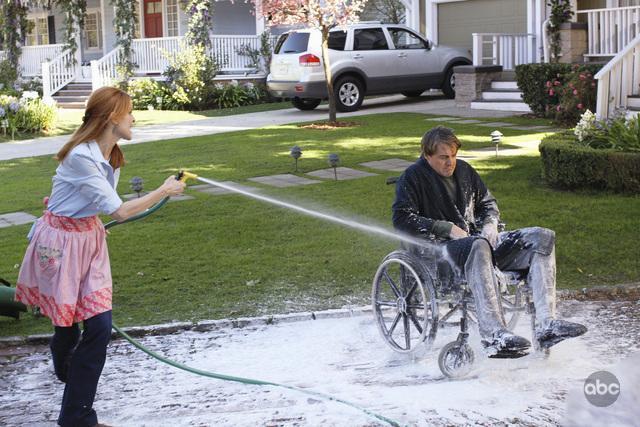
322 15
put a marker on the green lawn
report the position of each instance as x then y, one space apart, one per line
69 119
228 256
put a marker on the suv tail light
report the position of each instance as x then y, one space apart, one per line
309 60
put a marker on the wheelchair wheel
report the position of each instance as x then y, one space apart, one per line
513 304
456 359
404 303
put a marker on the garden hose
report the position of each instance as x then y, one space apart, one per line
247 380
183 176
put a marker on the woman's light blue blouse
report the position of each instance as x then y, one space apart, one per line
84 184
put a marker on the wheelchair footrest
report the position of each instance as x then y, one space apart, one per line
508 354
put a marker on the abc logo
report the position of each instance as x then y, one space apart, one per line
602 388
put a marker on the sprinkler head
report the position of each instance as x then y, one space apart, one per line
296 152
136 184
496 135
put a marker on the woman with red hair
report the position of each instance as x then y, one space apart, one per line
66 269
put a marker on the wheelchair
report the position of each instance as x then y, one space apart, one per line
409 291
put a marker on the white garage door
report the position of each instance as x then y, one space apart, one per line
458 20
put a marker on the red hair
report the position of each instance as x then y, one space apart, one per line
104 105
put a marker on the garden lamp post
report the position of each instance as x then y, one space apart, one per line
296 152
496 135
136 185
4 124
333 162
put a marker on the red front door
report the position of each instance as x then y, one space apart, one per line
152 18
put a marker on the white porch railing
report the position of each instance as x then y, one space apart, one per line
619 79
149 55
58 73
32 58
610 30
503 49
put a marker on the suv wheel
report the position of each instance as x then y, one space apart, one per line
348 94
449 85
412 93
305 104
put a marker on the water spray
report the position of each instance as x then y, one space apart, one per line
184 175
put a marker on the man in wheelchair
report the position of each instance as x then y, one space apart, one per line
443 200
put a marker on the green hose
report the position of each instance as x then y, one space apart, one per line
247 380
221 376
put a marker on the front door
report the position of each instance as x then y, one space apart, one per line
152 18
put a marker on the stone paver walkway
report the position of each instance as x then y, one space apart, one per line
284 180
395 165
15 218
342 173
217 191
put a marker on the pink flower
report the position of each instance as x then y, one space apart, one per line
593 84
579 106
551 92
558 108
582 77
575 91
556 83
548 84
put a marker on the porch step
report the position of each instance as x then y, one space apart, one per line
500 106
73 95
633 102
502 95
504 84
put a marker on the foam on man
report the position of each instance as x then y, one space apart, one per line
443 199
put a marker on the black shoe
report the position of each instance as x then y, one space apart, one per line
559 330
506 345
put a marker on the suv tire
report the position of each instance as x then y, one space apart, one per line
449 84
348 93
305 104
413 93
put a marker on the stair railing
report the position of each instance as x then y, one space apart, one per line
58 73
618 79
104 71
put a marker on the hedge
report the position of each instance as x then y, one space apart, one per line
567 165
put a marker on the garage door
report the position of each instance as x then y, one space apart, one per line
458 20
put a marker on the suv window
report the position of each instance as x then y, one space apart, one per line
403 39
369 39
337 40
292 43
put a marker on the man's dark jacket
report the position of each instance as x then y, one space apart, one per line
422 199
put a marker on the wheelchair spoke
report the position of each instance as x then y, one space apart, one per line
412 290
407 330
387 303
394 324
393 285
415 322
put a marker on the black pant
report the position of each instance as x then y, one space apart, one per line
79 362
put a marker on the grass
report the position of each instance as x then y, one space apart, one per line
228 256
69 119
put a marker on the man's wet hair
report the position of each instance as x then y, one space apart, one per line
437 136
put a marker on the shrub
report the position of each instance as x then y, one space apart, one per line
568 165
149 94
190 76
29 114
557 90
235 95
8 76
259 59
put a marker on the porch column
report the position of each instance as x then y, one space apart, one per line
259 24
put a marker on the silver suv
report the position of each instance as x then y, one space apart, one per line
366 59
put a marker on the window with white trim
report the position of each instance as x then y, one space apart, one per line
172 18
39 33
93 30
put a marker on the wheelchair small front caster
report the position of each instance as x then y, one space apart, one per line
456 359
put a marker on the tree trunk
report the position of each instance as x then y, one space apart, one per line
327 74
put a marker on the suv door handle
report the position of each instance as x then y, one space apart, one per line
357 56
402 55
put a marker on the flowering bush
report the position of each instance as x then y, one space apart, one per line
619 133
27 114
149 94
570 94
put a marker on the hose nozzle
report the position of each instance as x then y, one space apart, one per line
184 176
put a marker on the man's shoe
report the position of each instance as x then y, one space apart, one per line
559 330
506 345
